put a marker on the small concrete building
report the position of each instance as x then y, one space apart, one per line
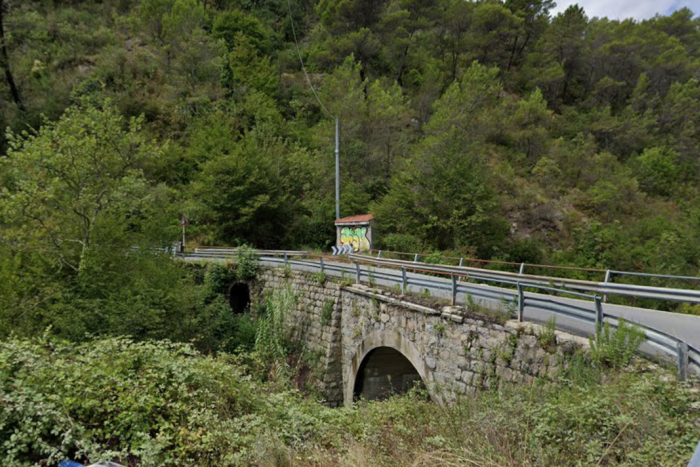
357 231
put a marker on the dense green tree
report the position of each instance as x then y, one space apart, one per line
75 178
574 122
443 195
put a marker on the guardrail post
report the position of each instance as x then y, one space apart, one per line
461 261
682 353
320 259
454 289
286 260
415 259
379 255
357 272
607 279
599 315
522 269
521 301
404 282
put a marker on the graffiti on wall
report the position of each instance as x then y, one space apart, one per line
355 236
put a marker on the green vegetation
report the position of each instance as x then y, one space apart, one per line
327 312
581 146
320 277
487 129
165 404
616 348
547 336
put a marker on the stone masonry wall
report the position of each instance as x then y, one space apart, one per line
462 351
455 350
315 321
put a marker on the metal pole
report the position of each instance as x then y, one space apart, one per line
357 272
522 269
607 279
320 258
599 316
403 281
521 302
183 238
337 168
682 350
379 255
454 290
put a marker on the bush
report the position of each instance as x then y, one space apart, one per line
218 278
247 265
115 399
164 404
615 349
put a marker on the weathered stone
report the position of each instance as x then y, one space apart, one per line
448 349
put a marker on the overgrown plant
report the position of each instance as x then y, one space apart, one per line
615 349
327 312
346 280
218 278
320 278
272 337
547 336
247 265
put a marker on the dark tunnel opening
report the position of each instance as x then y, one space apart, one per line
385 372
239 297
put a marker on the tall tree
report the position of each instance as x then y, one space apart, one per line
75 181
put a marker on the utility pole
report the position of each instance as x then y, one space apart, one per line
337 169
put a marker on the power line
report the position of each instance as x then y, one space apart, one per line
301 60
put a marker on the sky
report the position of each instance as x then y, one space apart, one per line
621 9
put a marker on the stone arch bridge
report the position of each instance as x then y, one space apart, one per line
373 342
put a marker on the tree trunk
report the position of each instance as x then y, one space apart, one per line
5 61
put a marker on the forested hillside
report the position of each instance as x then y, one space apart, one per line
492 129
488 129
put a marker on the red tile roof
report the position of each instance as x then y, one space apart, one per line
353 219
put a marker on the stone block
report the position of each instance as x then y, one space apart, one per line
467 377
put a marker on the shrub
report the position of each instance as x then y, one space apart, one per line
218 278
247 265
272 336
615 349
320 278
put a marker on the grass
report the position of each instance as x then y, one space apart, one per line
498 315
547 336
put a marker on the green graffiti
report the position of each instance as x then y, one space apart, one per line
355 236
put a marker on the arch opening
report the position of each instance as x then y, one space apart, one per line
383 373
239 297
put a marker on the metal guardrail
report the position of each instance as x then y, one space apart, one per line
603 288
220 252
607 274
588 308
686 356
